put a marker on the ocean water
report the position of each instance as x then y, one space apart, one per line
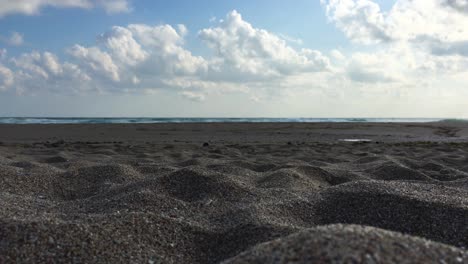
145 120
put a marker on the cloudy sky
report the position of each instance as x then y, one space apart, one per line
212 58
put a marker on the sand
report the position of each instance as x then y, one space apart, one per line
234 193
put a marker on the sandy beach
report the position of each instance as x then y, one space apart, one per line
234 193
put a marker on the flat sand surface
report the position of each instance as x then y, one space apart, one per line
234 193
270 133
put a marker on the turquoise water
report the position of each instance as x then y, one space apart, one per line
83 120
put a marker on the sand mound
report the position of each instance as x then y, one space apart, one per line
194 184
432 211
22 181
234 170
130 238
88 181
24 164
366 160
154 169
25 206
340 176
134 198
350 244
234 241
290 179
55 159
441 172
257 167
390 171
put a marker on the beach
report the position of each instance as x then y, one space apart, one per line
234 193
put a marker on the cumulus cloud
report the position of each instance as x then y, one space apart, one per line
141 57
41 65
51 63
415 41
245 59
8 7
124 47
363 21
96 61
35 71
124 59
167 55
243 50
32 63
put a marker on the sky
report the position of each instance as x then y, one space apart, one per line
244 58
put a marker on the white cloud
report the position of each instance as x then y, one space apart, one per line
194 96
140 57
389 59
199 85
337 55
123 46
6 77
15 39
34 72
361 21
408 20
374 68
3 54
115 6
51 63
290 39
166 52
242 51
33 7
32 63
136 58
96 61
414 41
164 36
182 29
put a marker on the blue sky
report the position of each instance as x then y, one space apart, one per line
329 58
55 28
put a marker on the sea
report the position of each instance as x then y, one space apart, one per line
149 120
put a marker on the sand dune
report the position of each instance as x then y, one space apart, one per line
234 200
350 244
431 211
